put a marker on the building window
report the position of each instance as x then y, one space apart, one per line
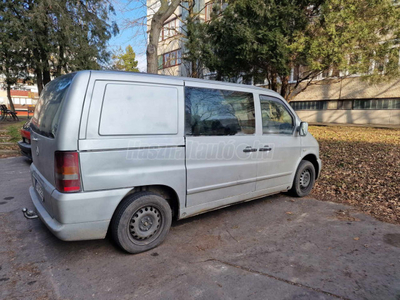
309 105
299 72
358 104
208 10
160 62
379 66
213 112
346 104
377 104
326 74
332 104
170 29
170 59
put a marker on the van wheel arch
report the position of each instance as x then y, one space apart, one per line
164 191
312 159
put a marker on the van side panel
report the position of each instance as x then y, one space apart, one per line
134 137
103 170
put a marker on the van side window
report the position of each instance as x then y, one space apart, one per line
218 112
139 109
276 119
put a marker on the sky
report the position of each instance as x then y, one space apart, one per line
131 31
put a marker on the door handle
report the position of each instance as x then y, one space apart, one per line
265 149
249 149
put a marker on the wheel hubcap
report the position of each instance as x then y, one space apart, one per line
305 179
145 222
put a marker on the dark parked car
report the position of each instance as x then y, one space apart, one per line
25 144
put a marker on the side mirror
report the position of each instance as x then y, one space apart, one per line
303 129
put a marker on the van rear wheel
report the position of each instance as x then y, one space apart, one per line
141 222
304 179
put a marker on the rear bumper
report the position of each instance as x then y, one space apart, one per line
25 149
75 216
69 232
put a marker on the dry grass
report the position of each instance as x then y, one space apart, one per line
361 167
10 133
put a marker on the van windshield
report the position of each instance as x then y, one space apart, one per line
48 109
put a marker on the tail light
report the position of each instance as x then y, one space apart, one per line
66 171
26 134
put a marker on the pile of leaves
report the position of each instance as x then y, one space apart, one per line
360 167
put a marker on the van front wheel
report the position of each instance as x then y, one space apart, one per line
141 222
304 179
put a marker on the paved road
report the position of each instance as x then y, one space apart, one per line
274 248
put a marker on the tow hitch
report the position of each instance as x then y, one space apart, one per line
29 214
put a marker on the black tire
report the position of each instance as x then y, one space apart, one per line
141 222
304 179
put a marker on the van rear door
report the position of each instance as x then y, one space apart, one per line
45 123
44 127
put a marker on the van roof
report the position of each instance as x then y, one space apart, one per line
178 79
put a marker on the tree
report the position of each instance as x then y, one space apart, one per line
59 36
355 36
267 39
164 9
126 61
12 50
192 33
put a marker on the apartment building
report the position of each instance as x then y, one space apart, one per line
171 41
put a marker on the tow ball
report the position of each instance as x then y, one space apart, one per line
29 214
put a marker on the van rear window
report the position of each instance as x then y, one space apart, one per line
48 109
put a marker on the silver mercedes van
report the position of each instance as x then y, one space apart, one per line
128 152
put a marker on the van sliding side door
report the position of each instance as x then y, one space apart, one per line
220 133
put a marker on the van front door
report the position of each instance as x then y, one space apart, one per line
279 149
220 153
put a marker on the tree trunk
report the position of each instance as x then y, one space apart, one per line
152 53
194 70
12 108
285 86
46 77
274 83
157 22
193 63
39 80
46 70
60 61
